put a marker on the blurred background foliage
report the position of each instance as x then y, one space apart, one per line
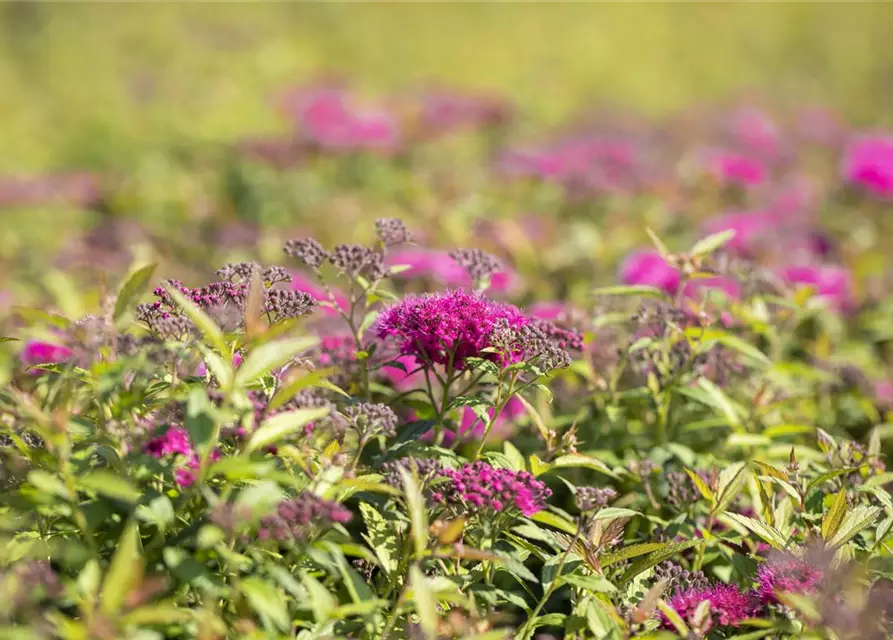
98 85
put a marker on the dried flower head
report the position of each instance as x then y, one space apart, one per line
478 264
392 232
370 419
356 260
283 304
425 469
594 498
679 579
308 251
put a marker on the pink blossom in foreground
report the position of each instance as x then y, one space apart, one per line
832 283
648 268
477 486
38 352
728 605
445 327
868 163
787 573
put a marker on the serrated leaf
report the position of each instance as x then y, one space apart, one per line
731 481
132 289
854 522
834 516
381 537
594 584
267 357
631 551
701 486
770 534
282 425
656 557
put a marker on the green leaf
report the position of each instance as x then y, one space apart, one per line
658 243
381 537
674 618
731 481
535 416
554 520
132 289
770 534
612 513
721 401
200 319
854 522
514 456
298 384
159 613
712 242
834 516
425 604
595 584
125 570
746 349
701 486
322 602
631 551
282 425
630 290
418 515
48 483
656 557
111 485
267 357
267 601
582 461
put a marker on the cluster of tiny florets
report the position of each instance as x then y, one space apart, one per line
295 518
425 470
787 573
372 419
594 498
531 343
729 606
392 232
477 485
308 251
356 260
284 305
679 579
478 264
244 272
175 442
446 327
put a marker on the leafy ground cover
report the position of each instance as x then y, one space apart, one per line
418 365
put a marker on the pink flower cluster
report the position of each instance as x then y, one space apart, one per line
729 606
587 162
37 352
789 574
868 163
294 517
736 168
450 325
445 111
330 119
175 442
477 485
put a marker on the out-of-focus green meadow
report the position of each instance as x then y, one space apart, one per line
98 85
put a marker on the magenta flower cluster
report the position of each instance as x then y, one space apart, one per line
729 606
477 486
450 325
175 443
38 352
789 574
294 517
